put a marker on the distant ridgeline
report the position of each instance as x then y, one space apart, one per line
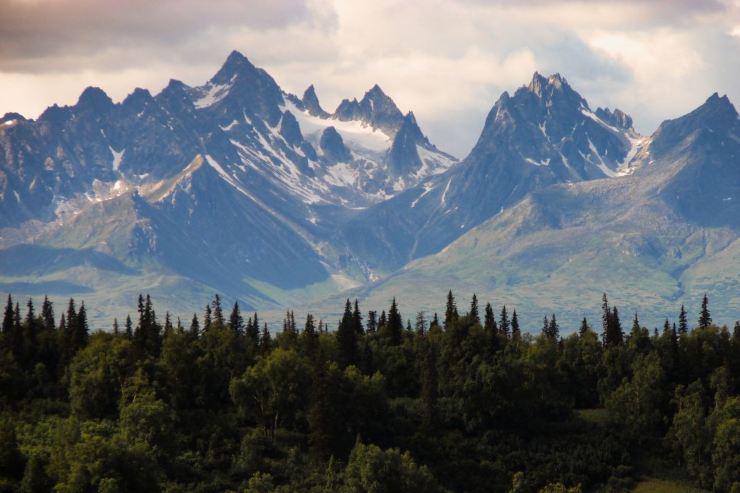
464 401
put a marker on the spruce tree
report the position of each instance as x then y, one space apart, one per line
434 323
504 325
253 330
394 326
218 314
516 332
265 341
584 327
129 327
47 314
168 327
474 315
553 329
606 315
372 322
8 317
705 318
236 322
683 324
489 320
116 330
357 319
194 326
81 330
310 339
450 311
347 338
207 319
421 324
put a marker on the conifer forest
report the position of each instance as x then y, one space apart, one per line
469 400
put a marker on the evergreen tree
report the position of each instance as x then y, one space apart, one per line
584 327
265 341
310 338
474 316
236 322
357 320
434 325
81 330
8 317
451 311
129 327
606 315
47 314
489 321
168 327
545 326
504 325
705 318
683 324
116 330
393 332
553 330
421 324
347 338
207 319
194 326
516 333
382 321
218 314
253 330
372 322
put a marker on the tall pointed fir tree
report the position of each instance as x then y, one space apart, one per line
207 320
584 327
421 324
489 321
683 324
450 311
357 319
194 326
394 326
372 321
705 318
516 333
310 339
236 322
347 338
47 314
474 315
116 329
129 327
218 313
265 341
504 324
253 330
8 316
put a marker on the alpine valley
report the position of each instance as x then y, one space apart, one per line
241 188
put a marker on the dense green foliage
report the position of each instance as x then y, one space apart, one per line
468 402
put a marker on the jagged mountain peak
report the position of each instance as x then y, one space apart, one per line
94 98
235 63
311 102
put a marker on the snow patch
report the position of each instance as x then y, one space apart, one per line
117 157
229 126
213 94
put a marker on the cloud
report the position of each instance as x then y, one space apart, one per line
447 60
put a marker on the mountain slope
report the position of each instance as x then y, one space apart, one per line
544 134
233 186
658 237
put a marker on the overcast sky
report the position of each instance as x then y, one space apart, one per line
448 61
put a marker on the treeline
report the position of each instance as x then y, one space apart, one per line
466 402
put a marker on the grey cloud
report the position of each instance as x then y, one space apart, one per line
49 35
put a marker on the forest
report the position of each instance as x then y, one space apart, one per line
464 401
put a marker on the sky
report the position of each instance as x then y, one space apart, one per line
447 61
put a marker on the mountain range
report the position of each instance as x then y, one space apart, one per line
242 188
